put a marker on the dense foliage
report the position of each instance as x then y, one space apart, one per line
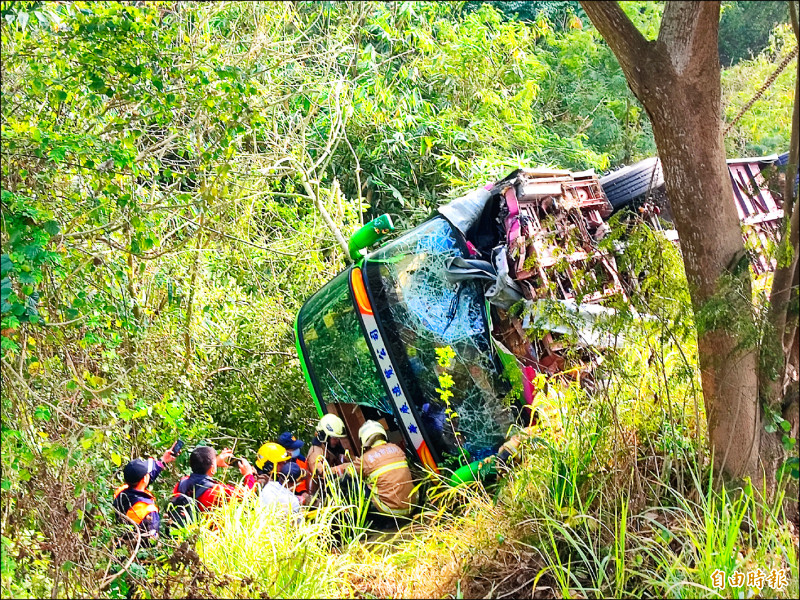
165 170
745 28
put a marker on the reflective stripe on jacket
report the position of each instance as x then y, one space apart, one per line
385 468
139 506
511 446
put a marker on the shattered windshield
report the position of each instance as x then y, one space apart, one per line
421 312
337 356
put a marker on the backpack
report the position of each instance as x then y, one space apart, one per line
183 507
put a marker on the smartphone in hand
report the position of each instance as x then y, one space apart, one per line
177 447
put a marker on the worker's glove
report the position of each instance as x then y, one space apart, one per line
503 456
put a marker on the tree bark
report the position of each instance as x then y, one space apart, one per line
782 392
785 279
677 80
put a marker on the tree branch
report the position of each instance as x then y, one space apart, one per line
794 151
784 280
689 33
240 240
322 210
622 36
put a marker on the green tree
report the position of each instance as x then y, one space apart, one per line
745 28
747 369
560 12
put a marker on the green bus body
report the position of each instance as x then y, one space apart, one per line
410 349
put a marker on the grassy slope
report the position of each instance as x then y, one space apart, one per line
612 497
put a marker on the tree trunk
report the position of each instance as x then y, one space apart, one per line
677 80
688 134
781 349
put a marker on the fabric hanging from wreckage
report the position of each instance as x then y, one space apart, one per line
565 316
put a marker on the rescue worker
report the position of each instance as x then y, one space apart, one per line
293 445
508 453
133 502
383 470
201 486
269 460
277 474
326 450
291 475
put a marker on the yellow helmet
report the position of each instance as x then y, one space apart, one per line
331 426
273 453
369 430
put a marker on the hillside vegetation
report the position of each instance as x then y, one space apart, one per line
169 171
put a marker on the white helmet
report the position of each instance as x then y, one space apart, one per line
331 426
368 431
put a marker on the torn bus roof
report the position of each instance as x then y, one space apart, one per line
549 222
534 236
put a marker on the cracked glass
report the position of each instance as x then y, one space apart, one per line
420 312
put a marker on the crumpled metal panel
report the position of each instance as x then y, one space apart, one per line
499 288
465 211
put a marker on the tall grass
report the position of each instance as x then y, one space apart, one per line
606 517
568 521
524 538
612 498
281 555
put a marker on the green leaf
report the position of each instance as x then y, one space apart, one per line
8 345
58 154
42 412
27 278
58 452
792 465
96 84
6 265
52 227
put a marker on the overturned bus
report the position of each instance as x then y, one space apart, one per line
417 334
